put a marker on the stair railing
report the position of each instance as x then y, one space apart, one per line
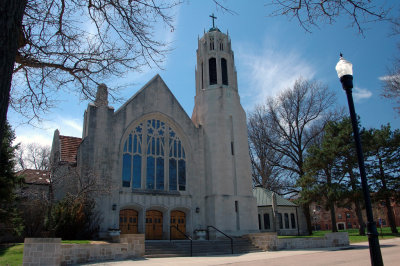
187 237
208 235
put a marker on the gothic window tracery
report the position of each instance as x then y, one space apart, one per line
211 43
154 146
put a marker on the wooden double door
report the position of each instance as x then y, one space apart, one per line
154 225
178 220
128 221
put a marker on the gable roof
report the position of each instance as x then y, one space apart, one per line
33 176
69 148
264 198
155 79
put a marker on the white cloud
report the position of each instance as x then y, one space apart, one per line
360 94
269 72
43 134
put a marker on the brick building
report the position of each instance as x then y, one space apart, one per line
346 217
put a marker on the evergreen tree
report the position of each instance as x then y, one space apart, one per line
8 182
383 164
331 167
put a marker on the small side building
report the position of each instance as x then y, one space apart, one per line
277 214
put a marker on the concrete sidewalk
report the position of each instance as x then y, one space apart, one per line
296 257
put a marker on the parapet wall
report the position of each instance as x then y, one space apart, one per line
50 251
270 241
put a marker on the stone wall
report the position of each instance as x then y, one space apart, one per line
270 241
50 251
42 251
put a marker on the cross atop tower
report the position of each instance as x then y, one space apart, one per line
213 18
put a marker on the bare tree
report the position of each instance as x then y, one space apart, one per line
391 82
311 13
265 171
294 120
33 156
50 45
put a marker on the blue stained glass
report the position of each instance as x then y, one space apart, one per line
162 147
183 152
126 170
125 146
158 124
161 132
140 144
153 146
172 174
160 173
134 144
153 123
150 131
130 143
158 146
150 173
174 148
137 171
170 148
179 149
182 174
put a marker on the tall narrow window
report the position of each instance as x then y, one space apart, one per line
224 71
293 220
266 221
212 67
259 221
202 76
280 220
221 46
286 220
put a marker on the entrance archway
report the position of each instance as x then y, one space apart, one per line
154 225
178 219
128 221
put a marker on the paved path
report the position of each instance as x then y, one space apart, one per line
357 254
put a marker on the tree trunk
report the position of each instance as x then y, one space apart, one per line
390 216
361 230
11 14
357 204
333 216
306 210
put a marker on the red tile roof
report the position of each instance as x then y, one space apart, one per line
33 176
69 148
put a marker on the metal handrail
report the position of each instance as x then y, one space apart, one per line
208 235
188 237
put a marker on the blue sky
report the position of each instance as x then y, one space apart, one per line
270 54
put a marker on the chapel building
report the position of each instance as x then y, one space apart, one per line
168 171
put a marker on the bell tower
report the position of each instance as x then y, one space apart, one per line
229 202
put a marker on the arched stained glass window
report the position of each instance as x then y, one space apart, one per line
153 152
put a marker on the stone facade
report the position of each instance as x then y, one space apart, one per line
166 168
50 251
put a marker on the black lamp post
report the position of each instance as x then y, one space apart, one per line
345 72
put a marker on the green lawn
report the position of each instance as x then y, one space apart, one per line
12 255
353 235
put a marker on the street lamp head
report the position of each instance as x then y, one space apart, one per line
344 70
